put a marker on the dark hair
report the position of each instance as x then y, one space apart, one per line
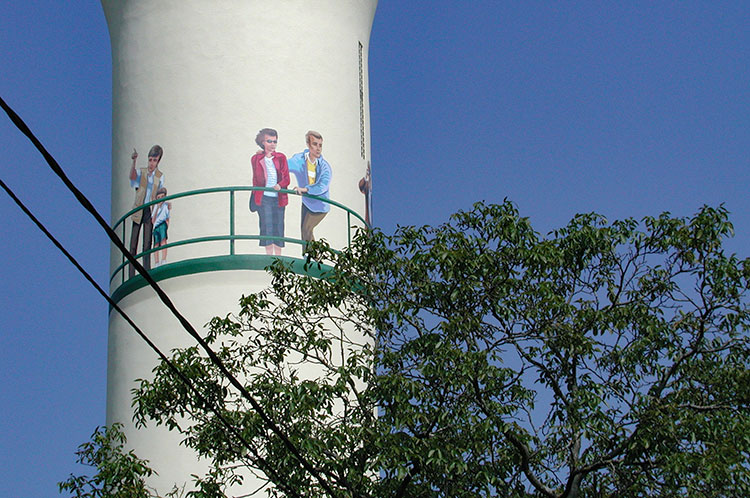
262 133
156 151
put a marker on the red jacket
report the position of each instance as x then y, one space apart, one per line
259 176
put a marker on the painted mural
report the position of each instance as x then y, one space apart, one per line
148 183
313 174
305 173
160 222
365 186
271 169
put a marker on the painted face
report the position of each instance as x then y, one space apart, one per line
316 147
269 144
153 162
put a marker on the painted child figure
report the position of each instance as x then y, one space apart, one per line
160 222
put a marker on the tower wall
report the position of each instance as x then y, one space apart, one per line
200 78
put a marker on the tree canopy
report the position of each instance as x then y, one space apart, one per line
480 358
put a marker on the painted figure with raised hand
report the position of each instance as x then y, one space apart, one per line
146 181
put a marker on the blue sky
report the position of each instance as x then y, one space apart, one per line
624 108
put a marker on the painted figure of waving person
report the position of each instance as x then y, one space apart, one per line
270 170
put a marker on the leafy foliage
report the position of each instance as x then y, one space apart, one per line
120 474
478 358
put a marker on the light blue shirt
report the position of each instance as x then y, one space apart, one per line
323 174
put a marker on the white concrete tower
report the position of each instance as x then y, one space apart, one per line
200 78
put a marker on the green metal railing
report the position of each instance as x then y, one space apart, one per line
120 225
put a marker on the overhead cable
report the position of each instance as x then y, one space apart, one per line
263 463
83 200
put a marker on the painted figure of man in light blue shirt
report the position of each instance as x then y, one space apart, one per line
313 175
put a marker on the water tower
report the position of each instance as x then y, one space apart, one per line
199 79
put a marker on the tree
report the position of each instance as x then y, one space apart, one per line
120 474
479 358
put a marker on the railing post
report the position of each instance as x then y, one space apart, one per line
232 237
231 221
123 255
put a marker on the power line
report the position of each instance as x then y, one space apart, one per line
259 459
83 200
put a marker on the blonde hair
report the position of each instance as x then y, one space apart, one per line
312 134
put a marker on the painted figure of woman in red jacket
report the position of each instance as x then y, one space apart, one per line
270 170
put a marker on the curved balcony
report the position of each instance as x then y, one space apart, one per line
204 236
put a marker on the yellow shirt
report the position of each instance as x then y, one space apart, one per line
310 172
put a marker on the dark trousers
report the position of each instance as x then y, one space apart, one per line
148 229
271 217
